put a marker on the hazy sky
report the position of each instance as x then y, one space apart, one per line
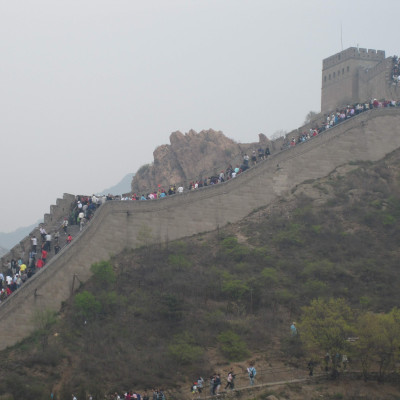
88 89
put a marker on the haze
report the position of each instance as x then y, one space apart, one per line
90 88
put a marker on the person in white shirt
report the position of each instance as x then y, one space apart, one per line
48 242
34 243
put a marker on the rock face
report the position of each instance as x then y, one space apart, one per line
190 157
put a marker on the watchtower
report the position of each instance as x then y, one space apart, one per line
341 76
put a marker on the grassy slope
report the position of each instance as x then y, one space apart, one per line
161 322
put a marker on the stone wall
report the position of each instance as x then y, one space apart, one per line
117 225
340 76
51 222
355 75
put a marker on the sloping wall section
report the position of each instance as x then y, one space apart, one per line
116 225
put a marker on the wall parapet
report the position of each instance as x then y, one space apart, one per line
367 74
353 53
51 221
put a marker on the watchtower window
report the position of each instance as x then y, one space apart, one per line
348 68
338 73
342 71
329 76
334 75
325 78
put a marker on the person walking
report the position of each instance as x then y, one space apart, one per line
217 384
252 373
230 380
293 329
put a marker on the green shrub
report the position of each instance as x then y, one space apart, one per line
314 288
292 236
178 262
103 273
270 275
86 305
184 350
232 248
232 346
236 289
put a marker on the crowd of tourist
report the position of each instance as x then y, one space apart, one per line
226 174
197 388
155 394
16 272
338 116
396 70
45 245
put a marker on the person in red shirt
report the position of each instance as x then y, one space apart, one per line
69 239
44 256
39 263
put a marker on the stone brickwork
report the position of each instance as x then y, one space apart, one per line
117 225
355 75
51 222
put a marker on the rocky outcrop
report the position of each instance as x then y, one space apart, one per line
190 157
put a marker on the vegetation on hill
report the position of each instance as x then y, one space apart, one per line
163 314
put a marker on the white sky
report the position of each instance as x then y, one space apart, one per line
88 89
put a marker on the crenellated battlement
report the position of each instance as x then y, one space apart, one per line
51 221
354 75
353 53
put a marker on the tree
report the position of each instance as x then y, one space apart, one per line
324 328
378 341
184 349
309 117
103 273
232 346
278 134
86 305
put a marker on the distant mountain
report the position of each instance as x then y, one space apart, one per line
3 251
124 186
9 240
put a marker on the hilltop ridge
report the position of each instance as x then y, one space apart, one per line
192 156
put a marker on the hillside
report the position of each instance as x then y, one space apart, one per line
165 313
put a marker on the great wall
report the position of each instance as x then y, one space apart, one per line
118 225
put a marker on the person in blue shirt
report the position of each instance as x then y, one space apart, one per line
293 329
252 373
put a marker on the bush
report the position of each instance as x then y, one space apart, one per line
236 289
184 350
232 346
86 305
178 262
233 249
103 273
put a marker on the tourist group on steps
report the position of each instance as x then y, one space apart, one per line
15 272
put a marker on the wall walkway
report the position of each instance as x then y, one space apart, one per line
116 225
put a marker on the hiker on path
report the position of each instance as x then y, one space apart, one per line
293 329
230 380
252 373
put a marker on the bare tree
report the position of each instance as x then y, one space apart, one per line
310 116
